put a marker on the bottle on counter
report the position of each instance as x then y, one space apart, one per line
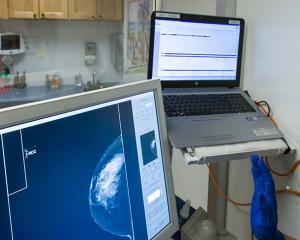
48 80
5 78
78 80
20 81
16 80
23 80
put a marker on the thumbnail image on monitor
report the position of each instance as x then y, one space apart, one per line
94 168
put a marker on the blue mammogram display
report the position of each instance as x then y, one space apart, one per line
81 180
149 149
108 195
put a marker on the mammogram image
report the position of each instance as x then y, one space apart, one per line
108 194
149 149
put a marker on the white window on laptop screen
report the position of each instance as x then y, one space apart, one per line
195 51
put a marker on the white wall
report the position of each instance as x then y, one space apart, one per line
271 72
191 6
58 46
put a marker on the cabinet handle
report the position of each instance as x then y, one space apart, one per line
43 15
100 16
34 15
93 16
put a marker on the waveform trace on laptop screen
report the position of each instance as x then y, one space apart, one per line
92 173
185 50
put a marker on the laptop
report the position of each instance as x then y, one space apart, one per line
198 60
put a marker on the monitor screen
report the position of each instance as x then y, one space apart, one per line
195 50
97 172
10 42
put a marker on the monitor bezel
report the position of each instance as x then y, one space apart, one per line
33 111
176 16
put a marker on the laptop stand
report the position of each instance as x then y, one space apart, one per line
214 154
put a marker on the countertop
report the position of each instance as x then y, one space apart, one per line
14 96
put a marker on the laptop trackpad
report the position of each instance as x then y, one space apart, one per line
199 133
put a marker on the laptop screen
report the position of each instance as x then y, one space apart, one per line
195 48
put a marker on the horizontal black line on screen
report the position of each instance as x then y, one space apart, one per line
198 57
185 35
198 54
194 70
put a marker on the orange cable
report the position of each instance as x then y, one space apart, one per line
287 190
219 190
266 112
296 164
289 172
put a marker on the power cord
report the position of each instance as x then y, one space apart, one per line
266 104
290 190
289 172
287 190
220 191
261 105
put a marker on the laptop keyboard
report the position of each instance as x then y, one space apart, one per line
205 104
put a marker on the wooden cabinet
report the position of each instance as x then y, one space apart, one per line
54 9
96 9
30 9
64 9
82 9
3 9
23 9
110 9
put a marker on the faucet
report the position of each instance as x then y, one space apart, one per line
94 77
93 85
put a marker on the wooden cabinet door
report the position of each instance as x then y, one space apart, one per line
23 8
3 9
54 9
82 9
110 9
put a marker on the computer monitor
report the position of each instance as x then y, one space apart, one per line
88 166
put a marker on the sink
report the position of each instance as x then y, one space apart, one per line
90 86
109 84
